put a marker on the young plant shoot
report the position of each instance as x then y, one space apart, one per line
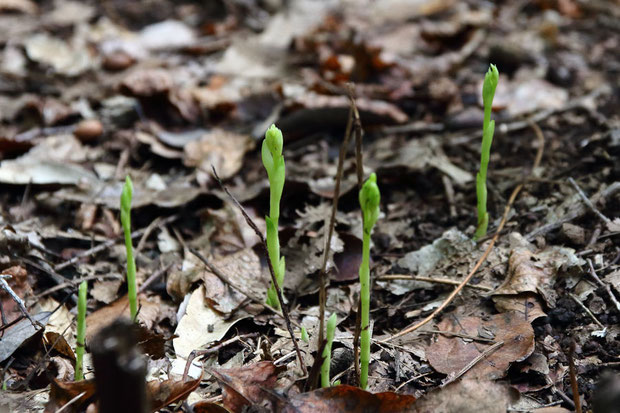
81 331
327 350
126 196
369 201
488 128
274 164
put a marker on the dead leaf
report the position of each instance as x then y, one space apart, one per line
208 407
163 393
467 396
62 392
66 59
146 83
521 97
349 399
18 333
220 149
449 355
199 326
105 291
246 386
60 344
527 304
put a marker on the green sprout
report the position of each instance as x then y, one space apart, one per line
327 350
81 331
274 164
488 128
126 196
304 335
369 201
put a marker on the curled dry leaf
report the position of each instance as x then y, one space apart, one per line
62 392
349 399
527 304
163 393
449 354
246 386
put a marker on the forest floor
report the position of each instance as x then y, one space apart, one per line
164 91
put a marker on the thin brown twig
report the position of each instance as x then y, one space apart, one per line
211 350
573 377
359 168
330 230
391 277
278 288
587 201
487 251
602 284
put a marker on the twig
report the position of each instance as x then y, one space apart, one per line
587 310
587 201
390 277
109 243
211 350
460 335
330 230
472 363
486 253
278 288
70 402
602 284
359 168
573 377
153 278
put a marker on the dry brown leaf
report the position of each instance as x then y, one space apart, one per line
220 149
105 291
449 354
349 399
246 386
528 304
20 285
63 392
163 393
467 396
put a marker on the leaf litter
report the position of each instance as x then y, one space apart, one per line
89 94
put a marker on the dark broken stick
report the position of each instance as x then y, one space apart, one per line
252 224
18 301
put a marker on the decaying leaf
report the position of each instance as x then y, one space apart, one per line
246 386
163 393
18 333
467 396
199 326
63 392
349 399
449 354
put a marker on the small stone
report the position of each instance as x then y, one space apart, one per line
88 130
117 61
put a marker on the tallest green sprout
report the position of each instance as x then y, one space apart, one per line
369 201
273 160
126 197
488 128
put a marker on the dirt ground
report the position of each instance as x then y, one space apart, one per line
167 92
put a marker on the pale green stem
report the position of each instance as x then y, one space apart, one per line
365 308
327 350
81 331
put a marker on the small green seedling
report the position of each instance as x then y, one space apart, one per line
126 197
304 335
81 331
274 164
488 128
327 350
369 200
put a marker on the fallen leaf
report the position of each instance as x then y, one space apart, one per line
62 392
527 304
208 407
60 344
163 393
449 354
349 399
64 58
521 97
467 396
246 386
18 333
199 326
20 286
220 149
